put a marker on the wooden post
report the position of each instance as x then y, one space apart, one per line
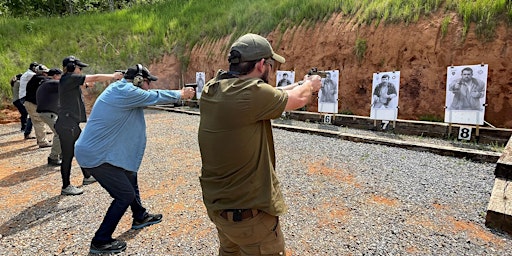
477 133
499 210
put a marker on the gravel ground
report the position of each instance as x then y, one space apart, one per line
345 198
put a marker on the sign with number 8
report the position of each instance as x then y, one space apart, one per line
465 132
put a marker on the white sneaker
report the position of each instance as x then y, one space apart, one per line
71 190
88 181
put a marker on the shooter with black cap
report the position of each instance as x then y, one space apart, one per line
112 145
71 114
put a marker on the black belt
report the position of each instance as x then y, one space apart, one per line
237 215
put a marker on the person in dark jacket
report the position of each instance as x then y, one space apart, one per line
31 105
47 96
15 86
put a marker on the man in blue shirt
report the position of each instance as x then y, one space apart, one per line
112 145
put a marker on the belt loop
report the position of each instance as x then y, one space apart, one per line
230 215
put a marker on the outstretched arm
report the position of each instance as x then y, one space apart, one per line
299 96
103 77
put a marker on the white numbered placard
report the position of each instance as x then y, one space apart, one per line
465 132
327 119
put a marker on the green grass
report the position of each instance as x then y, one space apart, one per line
481 12
115 40
360 49
346 112
431 118
444 26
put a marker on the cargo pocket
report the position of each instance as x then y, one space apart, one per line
273 244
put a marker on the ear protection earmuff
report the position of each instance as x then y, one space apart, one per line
70 67
138 80
234 57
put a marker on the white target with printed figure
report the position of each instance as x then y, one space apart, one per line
200 79
466 88
328 94
284 78
385 92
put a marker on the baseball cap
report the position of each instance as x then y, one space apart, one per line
33 65
73 59
132 72
253 47
54 71
42 69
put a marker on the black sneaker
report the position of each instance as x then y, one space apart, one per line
115 246
150 219
28 137
54 162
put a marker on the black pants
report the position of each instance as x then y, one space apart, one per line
68 131
26 121
23 113
122 185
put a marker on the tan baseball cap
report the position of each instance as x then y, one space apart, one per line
253 47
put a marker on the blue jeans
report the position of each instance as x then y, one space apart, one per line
122 186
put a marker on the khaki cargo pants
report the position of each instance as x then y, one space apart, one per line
259 235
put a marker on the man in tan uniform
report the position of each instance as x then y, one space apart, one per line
238 179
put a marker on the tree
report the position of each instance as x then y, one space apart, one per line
39 8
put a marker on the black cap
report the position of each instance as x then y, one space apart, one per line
54 71
33 66
73 59
138 69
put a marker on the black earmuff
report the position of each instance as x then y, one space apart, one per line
235 57
138 80
70 67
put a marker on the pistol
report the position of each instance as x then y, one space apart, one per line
314 71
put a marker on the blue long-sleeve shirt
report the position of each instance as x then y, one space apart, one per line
116 129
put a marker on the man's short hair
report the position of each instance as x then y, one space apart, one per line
467 69
243 68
